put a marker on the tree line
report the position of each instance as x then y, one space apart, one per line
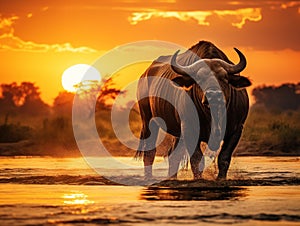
25 116
278 98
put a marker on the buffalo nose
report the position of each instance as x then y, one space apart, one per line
213 97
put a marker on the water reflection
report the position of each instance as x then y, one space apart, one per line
77 198
193 193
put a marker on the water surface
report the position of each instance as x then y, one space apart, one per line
53 191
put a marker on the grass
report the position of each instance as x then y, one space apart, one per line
265 133
273 132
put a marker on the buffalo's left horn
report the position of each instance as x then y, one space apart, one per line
234 69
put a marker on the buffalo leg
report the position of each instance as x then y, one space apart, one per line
224 157
195 153
149 149
148 159
197 163
192 144
176 154
148 137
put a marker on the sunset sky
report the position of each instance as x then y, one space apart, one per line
39 39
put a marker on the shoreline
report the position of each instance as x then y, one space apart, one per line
30 148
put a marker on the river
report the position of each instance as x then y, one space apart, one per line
67 191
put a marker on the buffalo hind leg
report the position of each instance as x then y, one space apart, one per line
224 157
149 148
148 137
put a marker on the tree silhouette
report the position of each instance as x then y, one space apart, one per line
22 99
63 103
88 93
283 97
108 93
32 103
102 94
7 102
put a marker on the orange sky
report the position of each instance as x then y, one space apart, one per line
40 39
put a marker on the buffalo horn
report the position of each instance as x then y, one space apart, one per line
234 69
188 70
179 69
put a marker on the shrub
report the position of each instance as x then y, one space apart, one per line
10 133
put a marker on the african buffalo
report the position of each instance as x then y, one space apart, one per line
204 75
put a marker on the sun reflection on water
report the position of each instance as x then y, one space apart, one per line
77 198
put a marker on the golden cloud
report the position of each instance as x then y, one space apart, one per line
8 41
240 15
200 16
290 4
237 17
6 24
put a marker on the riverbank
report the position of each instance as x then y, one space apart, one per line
31 148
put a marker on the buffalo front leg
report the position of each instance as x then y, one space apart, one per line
225 154
148 159
176 154
192 142
197 163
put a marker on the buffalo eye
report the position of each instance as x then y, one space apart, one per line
184 81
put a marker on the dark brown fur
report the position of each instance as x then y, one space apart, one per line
237 106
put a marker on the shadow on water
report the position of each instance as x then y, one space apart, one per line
207 190
203 193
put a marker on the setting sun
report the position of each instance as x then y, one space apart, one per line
78 73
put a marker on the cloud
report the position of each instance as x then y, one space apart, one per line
6 24
290 4
237 18
200 16
9 41
241 15
263 25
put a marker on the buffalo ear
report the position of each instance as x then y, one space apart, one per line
239 81
184 81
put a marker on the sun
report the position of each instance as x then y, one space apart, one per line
78 73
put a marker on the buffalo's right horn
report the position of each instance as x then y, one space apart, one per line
179 69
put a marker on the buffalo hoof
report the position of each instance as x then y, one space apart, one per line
221 178
198 176
174 177
148 177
